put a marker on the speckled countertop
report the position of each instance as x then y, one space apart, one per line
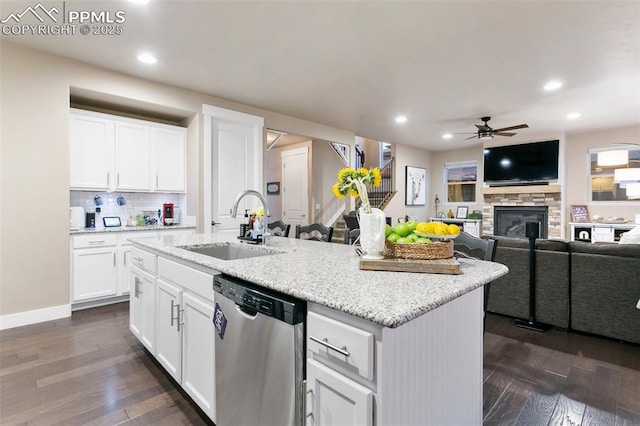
130 229
329 275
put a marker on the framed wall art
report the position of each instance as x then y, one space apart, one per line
415 186
579 213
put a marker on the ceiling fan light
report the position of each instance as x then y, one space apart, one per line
485 135
613 158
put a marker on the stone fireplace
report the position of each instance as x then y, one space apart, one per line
547 197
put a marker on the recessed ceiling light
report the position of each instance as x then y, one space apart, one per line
401 119
447 136
147 58
552 85
574 115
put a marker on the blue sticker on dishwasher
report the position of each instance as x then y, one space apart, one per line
219 321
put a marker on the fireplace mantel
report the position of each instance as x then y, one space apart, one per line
532 189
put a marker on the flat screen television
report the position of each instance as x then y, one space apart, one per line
530 162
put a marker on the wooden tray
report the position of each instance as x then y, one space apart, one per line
396 264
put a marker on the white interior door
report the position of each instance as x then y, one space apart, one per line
234 144
295 186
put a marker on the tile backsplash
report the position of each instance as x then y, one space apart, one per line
136 203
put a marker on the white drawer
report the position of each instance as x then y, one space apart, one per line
602 233
190 279
144 260
94 240
358 343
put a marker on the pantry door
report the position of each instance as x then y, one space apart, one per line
233 155
295 187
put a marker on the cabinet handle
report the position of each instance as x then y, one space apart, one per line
137 291
325 342
97 242
114 260
304 401
177 317
118 179
156 181
108 178
138 259
180 320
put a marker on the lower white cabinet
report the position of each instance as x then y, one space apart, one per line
198 362
184 343
142 307
94 273
168 328
335 399
100 265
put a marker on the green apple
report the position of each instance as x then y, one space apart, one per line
393 237
403 240
387 230
423 240
402 229
412 224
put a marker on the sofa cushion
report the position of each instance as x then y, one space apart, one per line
607 249
523 243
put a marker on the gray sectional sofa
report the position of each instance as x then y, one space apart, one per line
581 286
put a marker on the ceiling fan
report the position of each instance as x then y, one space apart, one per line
486 132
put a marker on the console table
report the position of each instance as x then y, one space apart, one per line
470 226
599 231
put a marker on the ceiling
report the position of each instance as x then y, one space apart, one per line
357 65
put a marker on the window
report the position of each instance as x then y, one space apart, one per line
460 179
615 174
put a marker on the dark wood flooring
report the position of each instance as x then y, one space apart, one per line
90 370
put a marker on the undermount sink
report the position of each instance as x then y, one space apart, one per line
228 251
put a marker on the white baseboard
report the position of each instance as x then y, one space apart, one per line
35 316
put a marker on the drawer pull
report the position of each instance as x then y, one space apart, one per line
138 259
97 242
325 342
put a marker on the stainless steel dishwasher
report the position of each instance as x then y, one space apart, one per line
259 355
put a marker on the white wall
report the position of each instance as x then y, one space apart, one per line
324 174
416 157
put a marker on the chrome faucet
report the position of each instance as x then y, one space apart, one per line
240 196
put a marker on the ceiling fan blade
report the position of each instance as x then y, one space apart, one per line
484 127
472 137
464 133
504 134
519 126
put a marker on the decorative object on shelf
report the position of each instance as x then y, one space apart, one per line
372 221
121 201
450 214
462 212
437 201
579 213
415 186
273 188
441 214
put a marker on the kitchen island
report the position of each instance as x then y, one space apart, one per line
415 340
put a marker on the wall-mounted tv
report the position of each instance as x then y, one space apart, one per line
530 162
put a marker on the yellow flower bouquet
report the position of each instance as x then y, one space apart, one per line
355 183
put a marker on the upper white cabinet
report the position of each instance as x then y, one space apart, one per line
91 152
108 152
170 150
133 159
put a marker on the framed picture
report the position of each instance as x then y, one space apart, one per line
273 188
579 213
415 186
462 212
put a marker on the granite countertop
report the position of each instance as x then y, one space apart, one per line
328 274
130 229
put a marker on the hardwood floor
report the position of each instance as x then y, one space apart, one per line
558 378
90 370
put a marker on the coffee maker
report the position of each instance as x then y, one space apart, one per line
167 214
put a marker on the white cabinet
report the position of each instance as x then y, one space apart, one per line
109 152
168 328
170 160
185 333
335 399
198 357
133 159
142 307
91 152
599 232
94 260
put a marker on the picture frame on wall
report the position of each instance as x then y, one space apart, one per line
415 186
462 212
